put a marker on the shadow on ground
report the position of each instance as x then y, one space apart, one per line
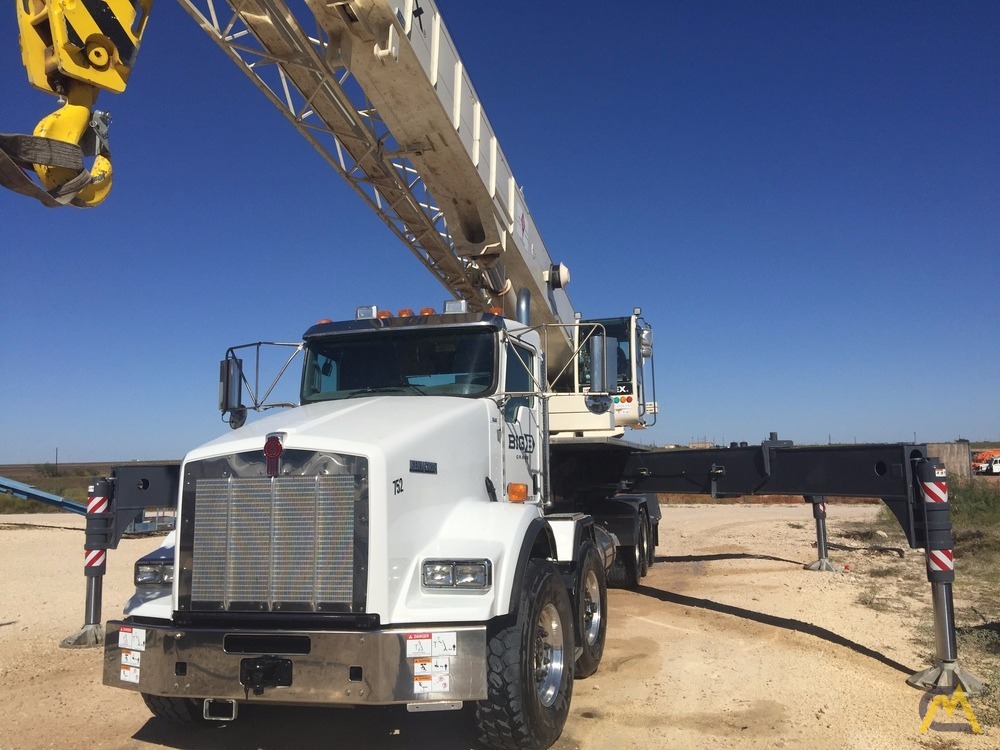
278 727
786 623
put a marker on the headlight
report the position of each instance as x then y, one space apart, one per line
154 574
462 574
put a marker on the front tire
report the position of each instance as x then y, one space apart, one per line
185 712
591 611
530 667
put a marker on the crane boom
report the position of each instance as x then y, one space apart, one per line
380 91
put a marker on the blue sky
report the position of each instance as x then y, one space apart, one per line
803 197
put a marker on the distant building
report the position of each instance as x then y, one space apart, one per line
957 458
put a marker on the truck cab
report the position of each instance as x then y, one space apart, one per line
989 466
373 543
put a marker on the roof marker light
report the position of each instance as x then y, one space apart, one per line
406 312
383 314
426 311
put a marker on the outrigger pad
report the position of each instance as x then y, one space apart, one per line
89 636
18 153
947 675
822 564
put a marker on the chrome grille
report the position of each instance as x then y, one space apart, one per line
282 544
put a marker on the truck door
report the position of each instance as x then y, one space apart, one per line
521 436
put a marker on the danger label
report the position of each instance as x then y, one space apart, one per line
133 639
418 644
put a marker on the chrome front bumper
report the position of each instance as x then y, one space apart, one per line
436 663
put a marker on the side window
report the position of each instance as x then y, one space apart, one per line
517 379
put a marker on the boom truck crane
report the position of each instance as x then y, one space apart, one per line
400 536
437 520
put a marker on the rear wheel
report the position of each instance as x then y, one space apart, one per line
530 670
650 547
624 572
591 611
643 544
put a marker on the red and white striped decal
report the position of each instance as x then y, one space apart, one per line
94 558
822 507
97 504
935 492
940 559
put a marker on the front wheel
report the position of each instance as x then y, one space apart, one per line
181 711
530 667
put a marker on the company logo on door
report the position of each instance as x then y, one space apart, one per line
523 443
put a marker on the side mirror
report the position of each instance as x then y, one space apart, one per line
231 391
646 342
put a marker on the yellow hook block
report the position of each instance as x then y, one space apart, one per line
69 123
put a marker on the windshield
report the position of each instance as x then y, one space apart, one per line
441 362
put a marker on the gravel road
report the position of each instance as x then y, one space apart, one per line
728 644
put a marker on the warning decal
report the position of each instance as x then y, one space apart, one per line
130 674
445 644
422 665
131 658
441 665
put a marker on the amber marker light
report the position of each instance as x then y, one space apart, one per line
517 492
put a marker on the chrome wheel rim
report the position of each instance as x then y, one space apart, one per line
592 614
548 658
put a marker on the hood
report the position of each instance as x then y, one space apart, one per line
356 426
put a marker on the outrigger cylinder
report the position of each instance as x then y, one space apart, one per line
819 513
939 545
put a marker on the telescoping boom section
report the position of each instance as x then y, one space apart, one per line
382 93
376 86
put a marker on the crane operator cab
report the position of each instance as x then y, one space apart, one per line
629 346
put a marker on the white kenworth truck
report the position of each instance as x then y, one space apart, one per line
420 530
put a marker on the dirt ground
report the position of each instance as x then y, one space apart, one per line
728 644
